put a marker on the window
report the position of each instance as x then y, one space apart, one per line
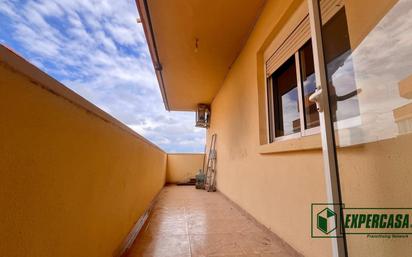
288 96
291 77
307 70
285 101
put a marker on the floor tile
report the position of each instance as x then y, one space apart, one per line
215 245
186 222
161 246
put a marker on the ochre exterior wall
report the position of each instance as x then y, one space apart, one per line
279 188
377 175
72 183
181 167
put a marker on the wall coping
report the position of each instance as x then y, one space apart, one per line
18 64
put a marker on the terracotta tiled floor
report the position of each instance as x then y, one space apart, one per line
188 222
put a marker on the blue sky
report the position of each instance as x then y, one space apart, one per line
97 49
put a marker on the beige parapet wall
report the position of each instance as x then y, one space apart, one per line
73 180
181 166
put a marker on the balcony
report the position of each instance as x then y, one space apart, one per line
77 182
74 181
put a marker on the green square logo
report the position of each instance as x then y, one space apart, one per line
326 220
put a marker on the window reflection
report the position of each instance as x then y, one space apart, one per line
309 85
342 87
367 68
284 84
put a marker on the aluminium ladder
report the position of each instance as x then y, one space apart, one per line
210 184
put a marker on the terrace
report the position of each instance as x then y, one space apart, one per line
311 102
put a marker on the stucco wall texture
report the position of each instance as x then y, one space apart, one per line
279 188
71 182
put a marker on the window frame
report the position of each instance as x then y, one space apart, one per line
270 106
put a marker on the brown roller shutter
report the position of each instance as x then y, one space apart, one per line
299 36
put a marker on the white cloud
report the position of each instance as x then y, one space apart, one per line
123 35
97 48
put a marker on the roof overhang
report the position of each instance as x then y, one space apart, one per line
193 44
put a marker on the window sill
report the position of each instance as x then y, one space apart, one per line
304 143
